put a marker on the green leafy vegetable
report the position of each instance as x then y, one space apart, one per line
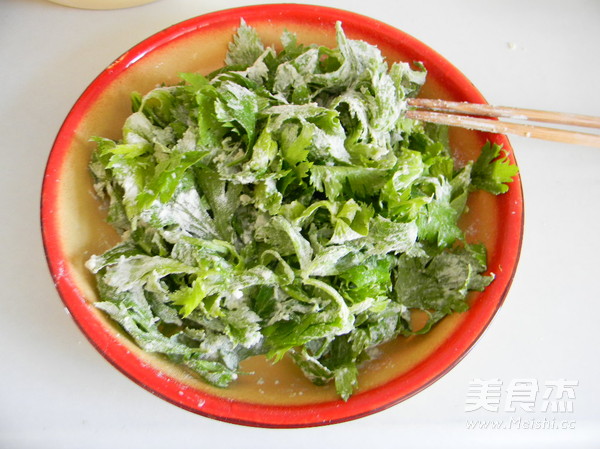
492 172
283 205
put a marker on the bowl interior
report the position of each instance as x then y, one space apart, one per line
74 227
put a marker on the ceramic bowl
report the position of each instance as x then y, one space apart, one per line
271 395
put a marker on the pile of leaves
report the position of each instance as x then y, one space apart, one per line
285 205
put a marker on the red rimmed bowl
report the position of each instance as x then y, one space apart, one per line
278 395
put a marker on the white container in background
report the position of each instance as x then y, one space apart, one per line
102 4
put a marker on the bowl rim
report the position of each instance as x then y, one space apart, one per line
452 350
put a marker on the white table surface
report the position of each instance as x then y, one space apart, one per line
56 391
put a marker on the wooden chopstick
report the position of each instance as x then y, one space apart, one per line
454 114
487 110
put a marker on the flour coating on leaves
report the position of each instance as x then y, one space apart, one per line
284 205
